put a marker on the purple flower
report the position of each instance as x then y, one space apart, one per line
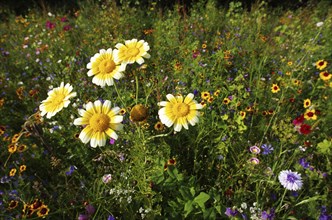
267 149
230 212
268 215
110 217
71 170
90 209
112 141
255 150
254 160
304 163
324 215
83 217
290 180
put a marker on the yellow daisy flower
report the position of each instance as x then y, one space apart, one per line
12 172
242 114
105 68
43 211
321 64
310 114
226 101
325 76
23 168
100 121
179 111
132 51
58 98
275 88
306 103
205 95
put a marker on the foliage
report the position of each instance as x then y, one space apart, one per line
251 70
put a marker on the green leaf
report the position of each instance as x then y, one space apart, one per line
311 199
324 147
192 191
188 208
209 214
218 208
185 193
201 199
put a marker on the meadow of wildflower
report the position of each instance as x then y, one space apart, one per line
125 111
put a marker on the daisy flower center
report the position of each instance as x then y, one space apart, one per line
57 100
133 51
99 122
106 66
181 109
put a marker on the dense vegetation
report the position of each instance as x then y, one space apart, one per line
257 79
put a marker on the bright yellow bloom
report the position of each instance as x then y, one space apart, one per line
105 68
325 76
321 64
58 98
23 168
12 172
179 111
12 148
310 114
275 88
100 121
43 211
242 114
306 103
226 101
217 92
132 51
205 95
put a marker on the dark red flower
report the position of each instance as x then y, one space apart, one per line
299 120
305 129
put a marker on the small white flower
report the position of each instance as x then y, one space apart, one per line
319 24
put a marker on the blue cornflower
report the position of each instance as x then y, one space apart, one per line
290 180
267 149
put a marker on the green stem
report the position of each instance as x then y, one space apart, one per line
136 79
117 92
282 199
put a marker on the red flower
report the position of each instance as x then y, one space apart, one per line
305 129
299 120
